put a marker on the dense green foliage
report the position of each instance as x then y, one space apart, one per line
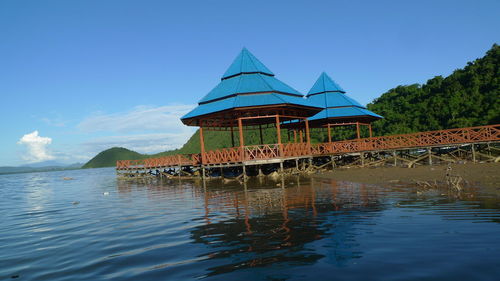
468 97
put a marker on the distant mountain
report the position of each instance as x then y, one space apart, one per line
50 163
39 167
108 158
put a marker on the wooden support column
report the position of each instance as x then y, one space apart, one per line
278 132
232 136
260 131
242 141
300 136
370 129
202 143
329 134
295 136
357 130
308 137
429 152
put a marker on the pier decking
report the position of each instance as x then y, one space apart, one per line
243 156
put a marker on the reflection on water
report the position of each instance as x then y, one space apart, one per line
291 229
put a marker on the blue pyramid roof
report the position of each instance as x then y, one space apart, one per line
344 112
247 83
324 84
245 62
245 101
329 95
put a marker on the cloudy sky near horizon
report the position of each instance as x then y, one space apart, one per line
78 77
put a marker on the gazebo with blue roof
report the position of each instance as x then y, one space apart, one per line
249 95
338 108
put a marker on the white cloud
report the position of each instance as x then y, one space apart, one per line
36 147
140 119
55 122
144 143
144 129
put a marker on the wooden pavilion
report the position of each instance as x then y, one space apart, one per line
249 97
338 108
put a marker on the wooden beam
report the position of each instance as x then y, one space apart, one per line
278 133
232 137
202 143
329 134
357 130
308 137
242 141
260 132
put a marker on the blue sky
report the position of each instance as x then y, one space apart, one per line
77 77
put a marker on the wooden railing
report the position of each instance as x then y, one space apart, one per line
259 152
223 156
422 139
159 162
296 149
270 151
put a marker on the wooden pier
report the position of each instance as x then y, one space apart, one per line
451 146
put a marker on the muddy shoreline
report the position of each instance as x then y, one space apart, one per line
476 174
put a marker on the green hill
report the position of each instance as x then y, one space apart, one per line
108 157
468 97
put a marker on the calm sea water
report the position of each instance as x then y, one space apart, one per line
97 228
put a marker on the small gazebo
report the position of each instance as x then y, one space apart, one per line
249 96
338 108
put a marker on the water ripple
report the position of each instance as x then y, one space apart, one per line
97 228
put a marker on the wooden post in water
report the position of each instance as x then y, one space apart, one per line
473 150
429 151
